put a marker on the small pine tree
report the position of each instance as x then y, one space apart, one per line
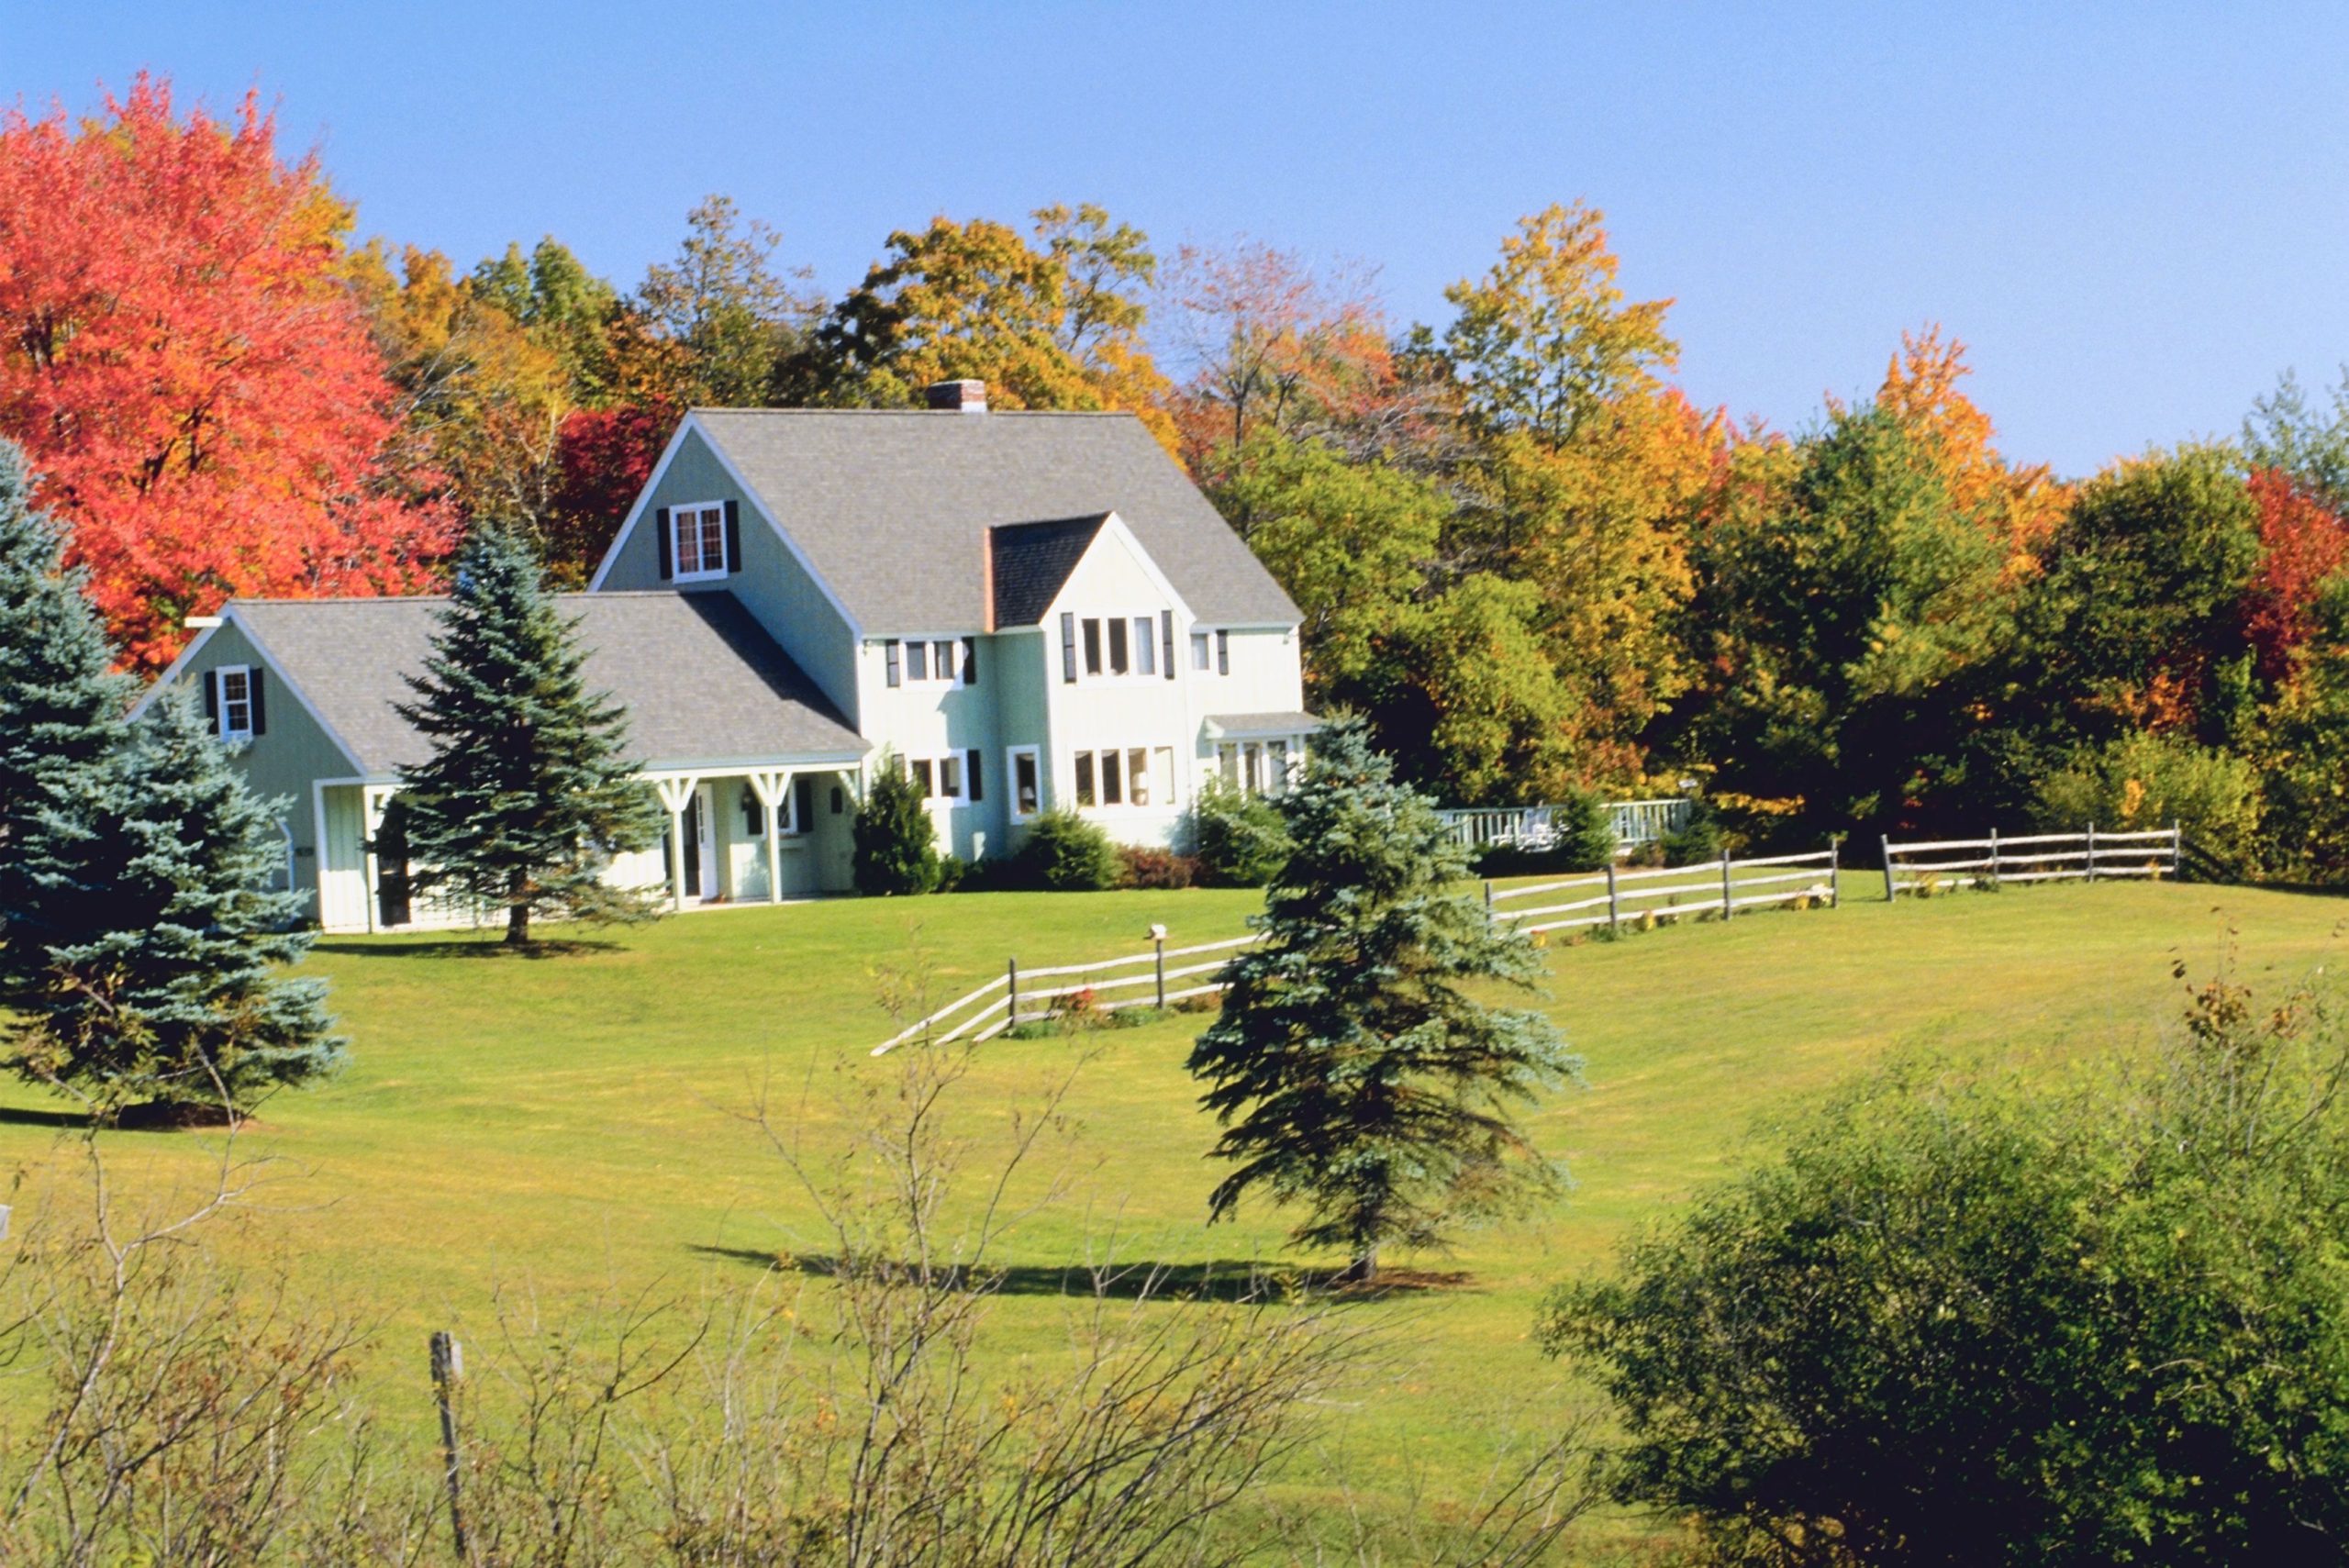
159 910
1353 1072
1585 831
528 792
896 838
61 704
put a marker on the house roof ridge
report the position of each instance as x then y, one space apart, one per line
943 414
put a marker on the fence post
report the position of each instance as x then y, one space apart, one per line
1488 900
1011 978
2177 847
1728 907
1158 942
1891 888
1614 901
1997 874
2091 851
448 1366
1834 873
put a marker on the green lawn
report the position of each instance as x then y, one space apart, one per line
573 1121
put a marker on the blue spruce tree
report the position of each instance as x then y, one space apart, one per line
1353 1071
154 921
529 791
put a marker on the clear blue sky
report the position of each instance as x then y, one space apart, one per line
2135 215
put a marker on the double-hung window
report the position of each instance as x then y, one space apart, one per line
1117 647
936 661
1211 651
1027 785
235 702
958 777
699 541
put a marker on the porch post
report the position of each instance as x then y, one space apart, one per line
772 789
674 794
372 801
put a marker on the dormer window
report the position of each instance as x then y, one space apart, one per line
699 541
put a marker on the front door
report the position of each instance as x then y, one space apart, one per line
697 833
701 846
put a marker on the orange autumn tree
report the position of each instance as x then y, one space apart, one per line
1920 389
184 363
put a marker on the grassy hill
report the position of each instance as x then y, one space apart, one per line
576 1122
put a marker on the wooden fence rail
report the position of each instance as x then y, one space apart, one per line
1722 887
2030 857
1154 978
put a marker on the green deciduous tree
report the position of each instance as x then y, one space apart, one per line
529 791
2138 619
141 961
896 838
1351 1069
1961 1323
723 304
1846 599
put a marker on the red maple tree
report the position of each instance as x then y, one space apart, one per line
183 361
2307 542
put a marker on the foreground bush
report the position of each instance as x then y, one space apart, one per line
1239 839
1968 1324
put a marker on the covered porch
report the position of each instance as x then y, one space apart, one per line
750 835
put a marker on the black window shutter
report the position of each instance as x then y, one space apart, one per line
1068 646
733 536
970 769
971 663
261 713
803 804
212 700
660 532
1166 640
1223 653
896 672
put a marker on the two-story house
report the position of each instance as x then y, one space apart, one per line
1024 610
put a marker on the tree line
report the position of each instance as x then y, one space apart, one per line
1518 547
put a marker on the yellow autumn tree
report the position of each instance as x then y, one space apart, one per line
1049 320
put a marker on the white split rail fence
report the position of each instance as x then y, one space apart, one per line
1012 997
1155 978
1720 887
2031 856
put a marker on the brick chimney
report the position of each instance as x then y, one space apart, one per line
960 396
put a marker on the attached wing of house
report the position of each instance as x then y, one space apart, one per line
758 766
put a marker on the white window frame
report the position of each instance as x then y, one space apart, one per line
1011 756
956 656
1211 651
1158 760
934 793
1247 764
230 728
1137 648
702 571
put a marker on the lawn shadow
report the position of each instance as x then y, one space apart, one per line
26 1115
467 947
1218 1279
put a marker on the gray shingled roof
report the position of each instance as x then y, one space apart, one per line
1253 726
1032 562
701 680
893 506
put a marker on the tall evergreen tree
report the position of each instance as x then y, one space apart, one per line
1351 1070
529 791
61 705
156 909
